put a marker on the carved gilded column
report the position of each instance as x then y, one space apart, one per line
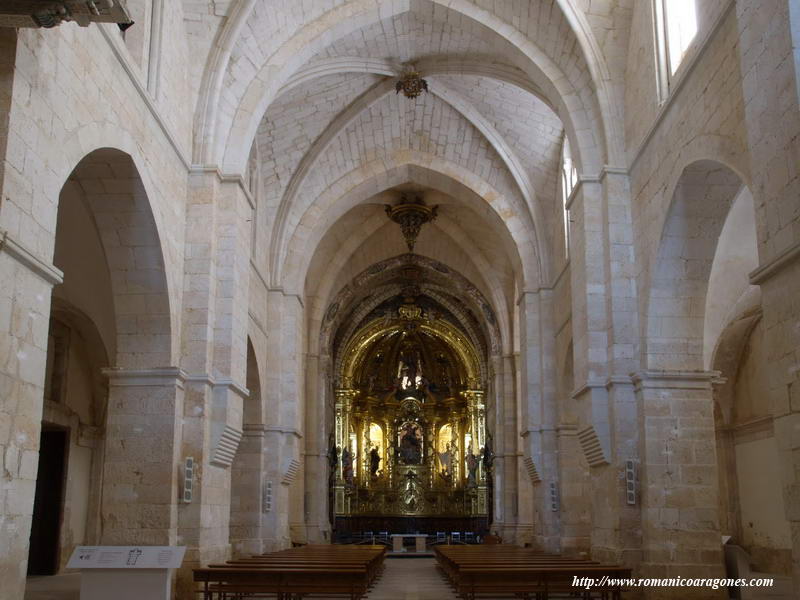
342 409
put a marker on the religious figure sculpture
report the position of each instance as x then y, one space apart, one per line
333 456
409 371
410 445
472 467
347 466
446 459
411 495
374 461
488 455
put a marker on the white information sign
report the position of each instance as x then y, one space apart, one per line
127 557
126 572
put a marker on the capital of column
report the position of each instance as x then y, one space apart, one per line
278 290
229 178
29 260
218 382
604 383
345 396
675 379
771 268
124 377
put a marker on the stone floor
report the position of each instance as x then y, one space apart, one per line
403 579
60 587
411 579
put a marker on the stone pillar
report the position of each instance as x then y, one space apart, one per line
770 67
283 393
605 327
509 445
575 493
249 503
24 318
319 410
142 453
537 397
591 335
495 424
590 339
680 524
214 354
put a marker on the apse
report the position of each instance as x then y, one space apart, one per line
411 450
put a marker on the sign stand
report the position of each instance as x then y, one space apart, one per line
126 572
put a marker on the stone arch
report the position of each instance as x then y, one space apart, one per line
253 410
114 305
751 506
221 131
676 299
382 293
76 402
98 353
369 289
109 183
384 173
325 284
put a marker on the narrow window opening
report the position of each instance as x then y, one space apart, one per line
680 18
569 179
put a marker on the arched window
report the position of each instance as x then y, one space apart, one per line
569 179
676 28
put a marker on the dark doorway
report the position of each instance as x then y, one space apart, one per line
48 505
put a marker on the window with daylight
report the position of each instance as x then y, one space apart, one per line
569 178
676 28
680 18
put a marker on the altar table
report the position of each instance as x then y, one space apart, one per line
397 541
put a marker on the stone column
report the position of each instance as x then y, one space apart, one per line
770 67
680 524
24 318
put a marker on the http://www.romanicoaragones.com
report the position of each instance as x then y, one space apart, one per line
606 581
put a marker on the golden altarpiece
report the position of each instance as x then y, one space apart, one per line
410 420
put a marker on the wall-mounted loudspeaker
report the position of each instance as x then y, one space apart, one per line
553 496
267 498
188 479
630 482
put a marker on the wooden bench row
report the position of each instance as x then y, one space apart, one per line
497 571
346 571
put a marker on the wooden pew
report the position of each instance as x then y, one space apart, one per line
498 571
306 571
